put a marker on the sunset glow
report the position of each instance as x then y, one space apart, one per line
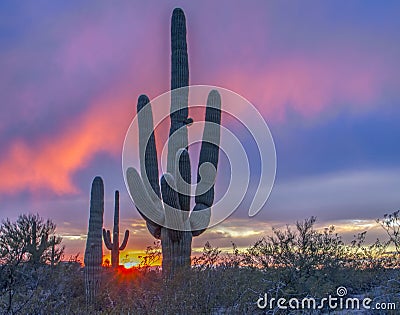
327 90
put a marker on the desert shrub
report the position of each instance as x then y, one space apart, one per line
391 224
304 259
298 262
29 252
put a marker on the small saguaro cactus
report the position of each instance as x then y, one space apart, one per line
113 244
94 249
170 219
35 248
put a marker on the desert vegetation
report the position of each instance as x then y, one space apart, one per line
298 261
293 262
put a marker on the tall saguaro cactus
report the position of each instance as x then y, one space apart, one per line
112 244
94 249
170 219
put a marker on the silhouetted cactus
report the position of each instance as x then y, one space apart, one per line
94 249
113 244
175 185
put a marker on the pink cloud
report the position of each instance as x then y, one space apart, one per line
309 86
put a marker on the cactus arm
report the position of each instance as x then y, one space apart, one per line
179 88
173 216
208 163
143 202
148 160
107 239
153 228
125 241
209 152
147 148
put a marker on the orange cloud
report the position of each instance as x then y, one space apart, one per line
50 162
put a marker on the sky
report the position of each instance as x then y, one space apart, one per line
323 74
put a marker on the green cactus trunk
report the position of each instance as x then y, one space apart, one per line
177 250
112 244
94 249
176 255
